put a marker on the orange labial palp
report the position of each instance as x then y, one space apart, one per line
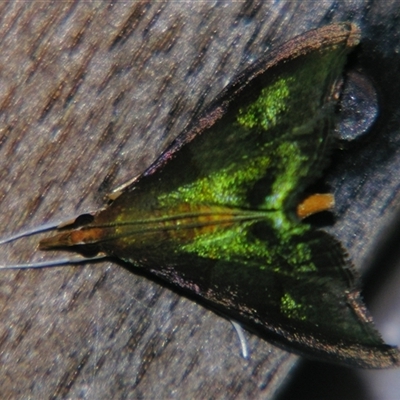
72 238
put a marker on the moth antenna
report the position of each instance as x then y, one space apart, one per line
32 231
50 263
53 263
242 338
43 228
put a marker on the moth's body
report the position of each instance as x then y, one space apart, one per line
180 225
218 213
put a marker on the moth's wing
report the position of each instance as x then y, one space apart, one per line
296 88
301 294
266 137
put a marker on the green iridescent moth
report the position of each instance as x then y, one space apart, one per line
219 214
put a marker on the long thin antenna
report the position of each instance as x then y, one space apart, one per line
32 231
50 263
45 227
53 263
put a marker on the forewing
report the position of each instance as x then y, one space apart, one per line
300 293
268 134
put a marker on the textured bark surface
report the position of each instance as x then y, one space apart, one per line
90 94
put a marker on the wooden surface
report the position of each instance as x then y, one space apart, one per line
90 94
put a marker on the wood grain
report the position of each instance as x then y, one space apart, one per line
90 94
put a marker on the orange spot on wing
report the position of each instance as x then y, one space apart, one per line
315 204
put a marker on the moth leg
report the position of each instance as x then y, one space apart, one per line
121 188
242 338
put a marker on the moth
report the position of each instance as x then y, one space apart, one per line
221 213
